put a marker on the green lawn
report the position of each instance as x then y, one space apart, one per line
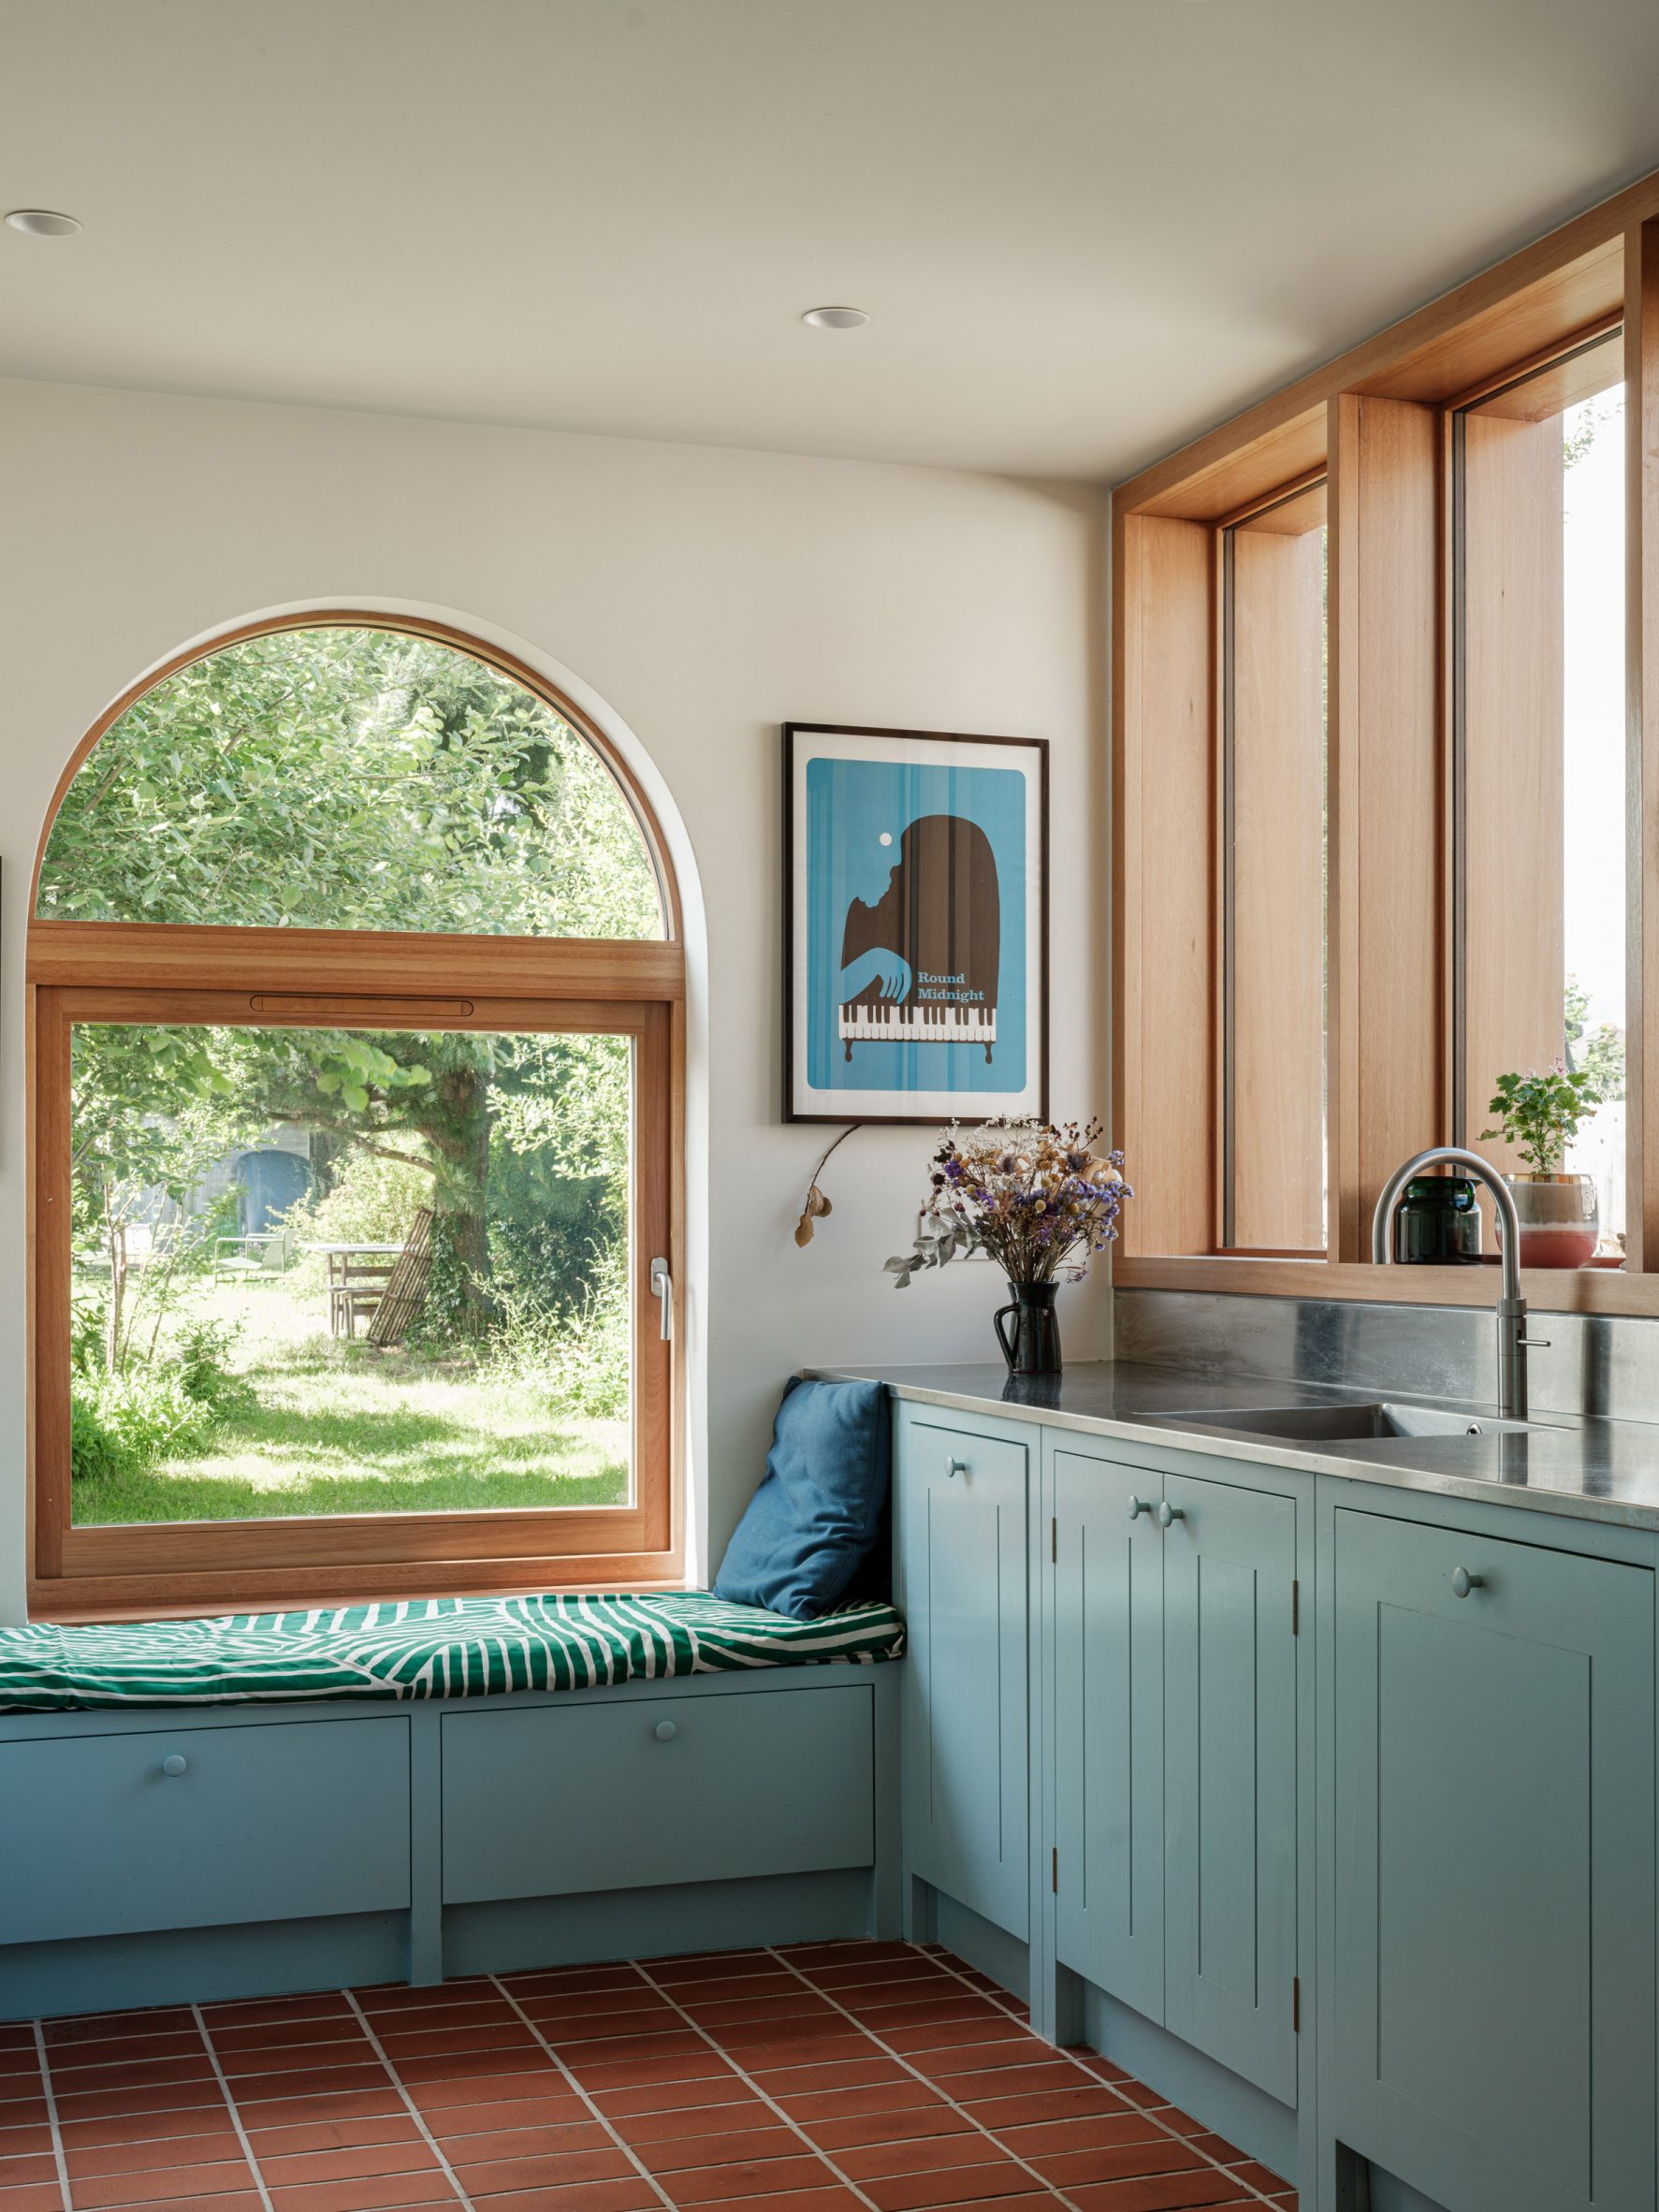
344 1428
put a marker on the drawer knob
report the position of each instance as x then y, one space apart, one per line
665 1731
955 1466
1462 1582
1138 1507
1168 1515
175 1764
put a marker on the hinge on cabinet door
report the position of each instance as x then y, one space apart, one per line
1054 1538
1054 1872
1296 2004
1296 1609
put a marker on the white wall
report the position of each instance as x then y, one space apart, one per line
705 596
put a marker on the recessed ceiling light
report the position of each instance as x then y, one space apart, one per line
835 318
42 223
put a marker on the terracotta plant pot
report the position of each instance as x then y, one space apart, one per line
1560 1220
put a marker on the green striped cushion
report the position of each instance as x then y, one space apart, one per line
428 1647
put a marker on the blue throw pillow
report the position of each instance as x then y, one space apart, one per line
819 1511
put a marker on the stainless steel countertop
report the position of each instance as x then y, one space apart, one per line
1593 1469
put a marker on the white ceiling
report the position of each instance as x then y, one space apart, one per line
1084 229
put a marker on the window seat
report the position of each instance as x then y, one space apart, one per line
424 1648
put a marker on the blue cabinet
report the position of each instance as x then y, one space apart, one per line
570 1797
960 1503
197 1825
1174 1670
1230 1645
1106 1606
1491 2030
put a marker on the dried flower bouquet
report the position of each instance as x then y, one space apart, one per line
1036 1197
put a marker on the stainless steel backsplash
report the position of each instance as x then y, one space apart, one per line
1595 1364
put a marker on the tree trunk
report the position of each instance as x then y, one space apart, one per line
460 1136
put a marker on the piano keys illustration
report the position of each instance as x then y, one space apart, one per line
938 927
860 1023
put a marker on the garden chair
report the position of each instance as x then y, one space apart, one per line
356 1284
405 1293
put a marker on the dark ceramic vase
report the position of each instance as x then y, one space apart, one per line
1028 1330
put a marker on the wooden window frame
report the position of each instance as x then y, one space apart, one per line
270 977
1375 424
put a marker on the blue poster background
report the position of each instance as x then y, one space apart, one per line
850 805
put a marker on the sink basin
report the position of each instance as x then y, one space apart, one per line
1331 1424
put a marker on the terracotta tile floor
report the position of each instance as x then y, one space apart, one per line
818 2079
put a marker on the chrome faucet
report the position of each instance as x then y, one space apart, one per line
1513 1339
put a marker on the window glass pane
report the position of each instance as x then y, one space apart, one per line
1274 1196
1541 805
338 778
348 1271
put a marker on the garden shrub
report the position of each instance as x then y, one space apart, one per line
369 1200
95 1451
121 1424
203 1350
574 1358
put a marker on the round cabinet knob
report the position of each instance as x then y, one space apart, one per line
1168 1515
175 1764
1138 1507
955 1466
665 1731
1462 1582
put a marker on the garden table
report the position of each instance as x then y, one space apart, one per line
357 1276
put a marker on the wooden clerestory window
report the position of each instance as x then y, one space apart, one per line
1386 704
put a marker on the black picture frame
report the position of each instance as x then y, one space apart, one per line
800 1102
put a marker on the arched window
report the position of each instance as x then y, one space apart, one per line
355 992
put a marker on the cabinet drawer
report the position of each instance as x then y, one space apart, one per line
278 1822
556 1799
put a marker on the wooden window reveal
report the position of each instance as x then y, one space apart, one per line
1272 889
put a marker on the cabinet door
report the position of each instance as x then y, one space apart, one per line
1494 2038
1108 1706
961 1510
1229 1798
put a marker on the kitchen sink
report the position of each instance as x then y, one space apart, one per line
1331 1424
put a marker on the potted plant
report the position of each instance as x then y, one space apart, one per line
1539 1116
1037 1198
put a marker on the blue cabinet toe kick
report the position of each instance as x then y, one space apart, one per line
205 1853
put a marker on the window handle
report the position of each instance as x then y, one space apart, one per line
662 1285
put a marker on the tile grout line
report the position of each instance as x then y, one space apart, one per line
140 2035
626 2148
1087 2072
52 2113
961 2110
412 2109
766 2096
230 2097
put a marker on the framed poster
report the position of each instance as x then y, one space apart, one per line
915 925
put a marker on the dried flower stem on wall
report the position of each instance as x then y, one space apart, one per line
817 1205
